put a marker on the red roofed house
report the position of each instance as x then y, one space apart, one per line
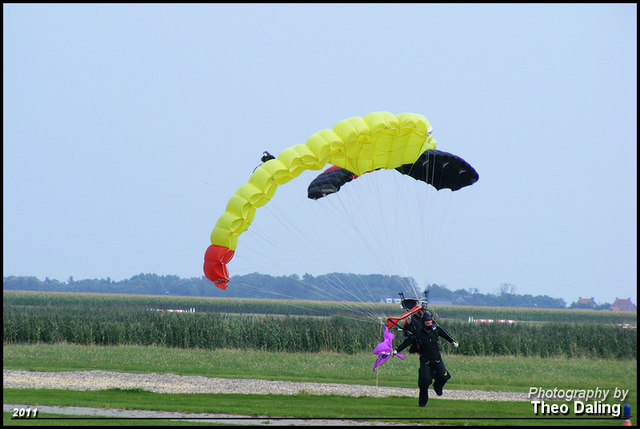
623 305
586 303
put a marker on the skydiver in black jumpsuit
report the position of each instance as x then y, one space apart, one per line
266 156
422 335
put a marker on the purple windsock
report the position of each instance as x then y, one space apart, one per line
384 349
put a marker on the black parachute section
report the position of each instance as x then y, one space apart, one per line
442 170
329 182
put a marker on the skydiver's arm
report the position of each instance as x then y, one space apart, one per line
405 344
407 332
444 334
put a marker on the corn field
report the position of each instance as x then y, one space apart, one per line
544 340
307 308
95 319
126 326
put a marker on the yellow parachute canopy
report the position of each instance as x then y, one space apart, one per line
360 145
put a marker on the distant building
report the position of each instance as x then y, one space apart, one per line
623 305
586 303
463 300
390 300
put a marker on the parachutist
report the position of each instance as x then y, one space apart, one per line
423 339
266 156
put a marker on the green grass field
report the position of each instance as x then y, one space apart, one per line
312 407
482 373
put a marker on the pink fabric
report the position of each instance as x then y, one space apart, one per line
384 349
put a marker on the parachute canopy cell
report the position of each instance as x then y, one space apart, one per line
329 182
359 145
442 170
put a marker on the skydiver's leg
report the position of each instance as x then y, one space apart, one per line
441 376
424 380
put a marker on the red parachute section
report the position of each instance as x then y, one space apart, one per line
401 321
216 259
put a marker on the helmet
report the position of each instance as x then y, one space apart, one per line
266 156
427 316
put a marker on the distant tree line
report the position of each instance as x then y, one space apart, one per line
327 287
504 297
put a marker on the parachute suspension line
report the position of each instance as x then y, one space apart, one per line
425 213
422 206
346 207
400 233
403 137
349 218
361 220
354 210
368 310
425 210
394 237
267 242
450 204
419 214
341 216
292 303
405 231
294 227
382 198
358 205
377 211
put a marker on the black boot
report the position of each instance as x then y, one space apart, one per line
424 398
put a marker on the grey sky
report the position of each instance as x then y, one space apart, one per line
126 129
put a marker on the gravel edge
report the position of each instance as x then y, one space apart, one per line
172 383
